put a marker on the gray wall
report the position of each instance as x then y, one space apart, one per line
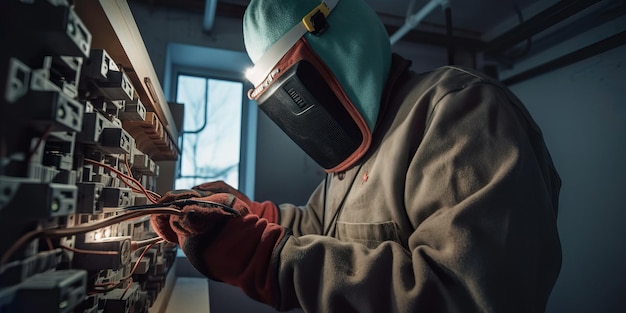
581 110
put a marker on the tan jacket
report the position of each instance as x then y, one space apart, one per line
453 209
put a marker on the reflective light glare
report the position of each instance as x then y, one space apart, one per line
249 73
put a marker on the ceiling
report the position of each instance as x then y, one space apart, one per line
470 18
476 24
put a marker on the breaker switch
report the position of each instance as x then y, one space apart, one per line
51 292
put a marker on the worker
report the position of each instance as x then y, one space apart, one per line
440 196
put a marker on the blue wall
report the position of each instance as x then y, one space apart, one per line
582 111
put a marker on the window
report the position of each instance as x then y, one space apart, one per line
211 137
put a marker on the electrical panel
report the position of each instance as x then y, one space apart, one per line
79 145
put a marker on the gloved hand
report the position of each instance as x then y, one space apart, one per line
266 209
238 248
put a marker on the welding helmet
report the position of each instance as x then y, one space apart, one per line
319 73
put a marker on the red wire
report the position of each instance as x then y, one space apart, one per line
155 196
130 283
42 138
122 175
130 173
130 275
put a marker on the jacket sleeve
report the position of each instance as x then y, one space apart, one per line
480 194
304 220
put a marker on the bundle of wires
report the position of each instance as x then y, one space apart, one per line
171 208
131 212
84 228
129 180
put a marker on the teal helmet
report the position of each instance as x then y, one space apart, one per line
355 46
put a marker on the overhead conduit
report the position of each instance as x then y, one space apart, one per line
413 20
209 15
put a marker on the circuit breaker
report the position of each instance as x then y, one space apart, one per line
78 150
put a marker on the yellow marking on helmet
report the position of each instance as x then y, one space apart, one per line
307 20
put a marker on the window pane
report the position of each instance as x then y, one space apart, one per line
191 92
211 153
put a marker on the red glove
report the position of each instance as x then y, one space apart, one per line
232 246
266 209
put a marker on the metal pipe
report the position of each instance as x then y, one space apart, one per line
416 18
589 51
209 15
538 23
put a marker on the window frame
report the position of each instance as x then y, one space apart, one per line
208 73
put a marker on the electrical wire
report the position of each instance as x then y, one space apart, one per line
114 285
58 233
134 245
130 172
155 196
50 245
124 176
183 203
134 184
130 284
143 253
42 139
76 250
138 186
150 198
132 212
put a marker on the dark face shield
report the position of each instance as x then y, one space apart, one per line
303 97
305 108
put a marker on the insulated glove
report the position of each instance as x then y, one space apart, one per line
266 209
225 242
